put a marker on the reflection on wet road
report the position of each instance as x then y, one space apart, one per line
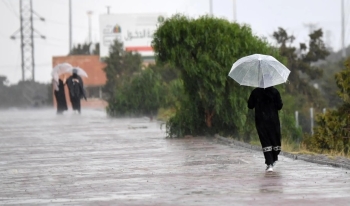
95 160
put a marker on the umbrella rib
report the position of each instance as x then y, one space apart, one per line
245 75
279 72
260 71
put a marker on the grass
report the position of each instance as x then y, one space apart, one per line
294 148
288 145
165 114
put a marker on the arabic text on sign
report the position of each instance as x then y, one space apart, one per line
138 34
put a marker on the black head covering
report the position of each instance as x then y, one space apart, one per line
75 73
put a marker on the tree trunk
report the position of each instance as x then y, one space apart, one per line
208 117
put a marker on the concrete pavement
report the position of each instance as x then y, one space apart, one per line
94 160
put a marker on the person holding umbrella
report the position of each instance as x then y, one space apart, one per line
76 90
263 72
60 95
267 102
58 73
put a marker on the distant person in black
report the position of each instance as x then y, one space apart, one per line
60 96
267 102
76 90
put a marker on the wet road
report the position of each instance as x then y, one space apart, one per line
94 160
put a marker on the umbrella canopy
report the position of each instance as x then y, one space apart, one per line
60 69
259 70
79 71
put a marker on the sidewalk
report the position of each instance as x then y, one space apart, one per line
94 160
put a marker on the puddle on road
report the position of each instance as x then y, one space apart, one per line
137 127
200 148
213 162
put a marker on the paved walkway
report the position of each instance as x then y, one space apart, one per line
94 160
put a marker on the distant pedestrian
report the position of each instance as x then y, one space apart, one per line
60 95
76 90
267 102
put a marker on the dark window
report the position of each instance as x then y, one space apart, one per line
93 92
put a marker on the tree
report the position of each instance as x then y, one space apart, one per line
300 61
304 71
131 89
333 128
120 64
167 71
24 94
142 95
204 50
3 80
85 49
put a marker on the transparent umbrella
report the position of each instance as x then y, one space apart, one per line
79 71
60 69
259 70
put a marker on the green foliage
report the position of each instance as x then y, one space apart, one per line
333 128
85 49
328 84
174 94
186 120
343 82
300 61
168 72
133 90
289 131
121 65
24 94
204 50
304 72
141 95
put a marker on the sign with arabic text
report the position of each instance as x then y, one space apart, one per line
135 31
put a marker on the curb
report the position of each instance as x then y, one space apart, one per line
225 140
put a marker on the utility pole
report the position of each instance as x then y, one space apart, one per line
211 7
27 39
234 11
89 15
70 26
343 29
328 39
108 7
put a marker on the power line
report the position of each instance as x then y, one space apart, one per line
66 24
2 35
56 39
11 9
51 44
12 65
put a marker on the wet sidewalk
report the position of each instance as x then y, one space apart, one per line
94 160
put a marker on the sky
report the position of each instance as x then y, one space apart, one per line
264 17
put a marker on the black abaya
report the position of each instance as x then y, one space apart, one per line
267 102
76 91
61 98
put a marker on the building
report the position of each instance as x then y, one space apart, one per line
93 84
135 31
96 80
